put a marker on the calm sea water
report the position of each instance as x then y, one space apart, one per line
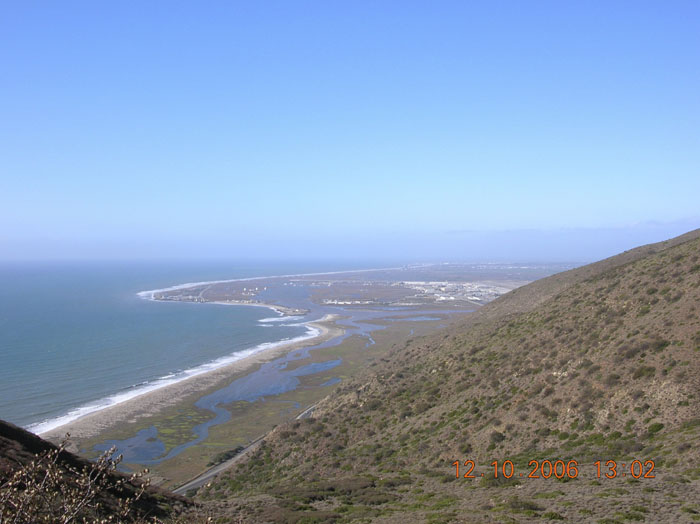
75 337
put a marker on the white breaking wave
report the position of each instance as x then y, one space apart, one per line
279 319
171 378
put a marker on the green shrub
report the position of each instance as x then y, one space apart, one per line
644 371
552 515
225 455
496 437
656 427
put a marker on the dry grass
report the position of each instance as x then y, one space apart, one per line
594 364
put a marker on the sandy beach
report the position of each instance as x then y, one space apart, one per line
282 310
190 389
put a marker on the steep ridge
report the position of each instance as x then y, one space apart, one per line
595 364
527 297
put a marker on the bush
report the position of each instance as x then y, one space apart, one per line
593 369
488 481
46 490
225 455
374 498
644 371
656 427
497 437
552 515
612 380
519 504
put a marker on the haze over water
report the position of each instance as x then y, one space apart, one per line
72 335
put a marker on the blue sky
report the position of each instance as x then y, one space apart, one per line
403 130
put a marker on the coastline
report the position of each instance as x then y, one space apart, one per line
110 400
148 294
153 401
284 311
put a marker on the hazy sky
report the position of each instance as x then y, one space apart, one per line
416 130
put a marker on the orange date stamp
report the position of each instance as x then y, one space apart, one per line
559 469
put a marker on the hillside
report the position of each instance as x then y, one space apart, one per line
595 364
40 482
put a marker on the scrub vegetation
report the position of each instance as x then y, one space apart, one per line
594 364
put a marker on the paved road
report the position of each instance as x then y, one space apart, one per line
209 474
306 413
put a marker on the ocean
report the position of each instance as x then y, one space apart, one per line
76 337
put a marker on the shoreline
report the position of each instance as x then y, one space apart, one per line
152 401
284 311
277 308
148 294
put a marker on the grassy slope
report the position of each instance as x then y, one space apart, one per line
596 363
